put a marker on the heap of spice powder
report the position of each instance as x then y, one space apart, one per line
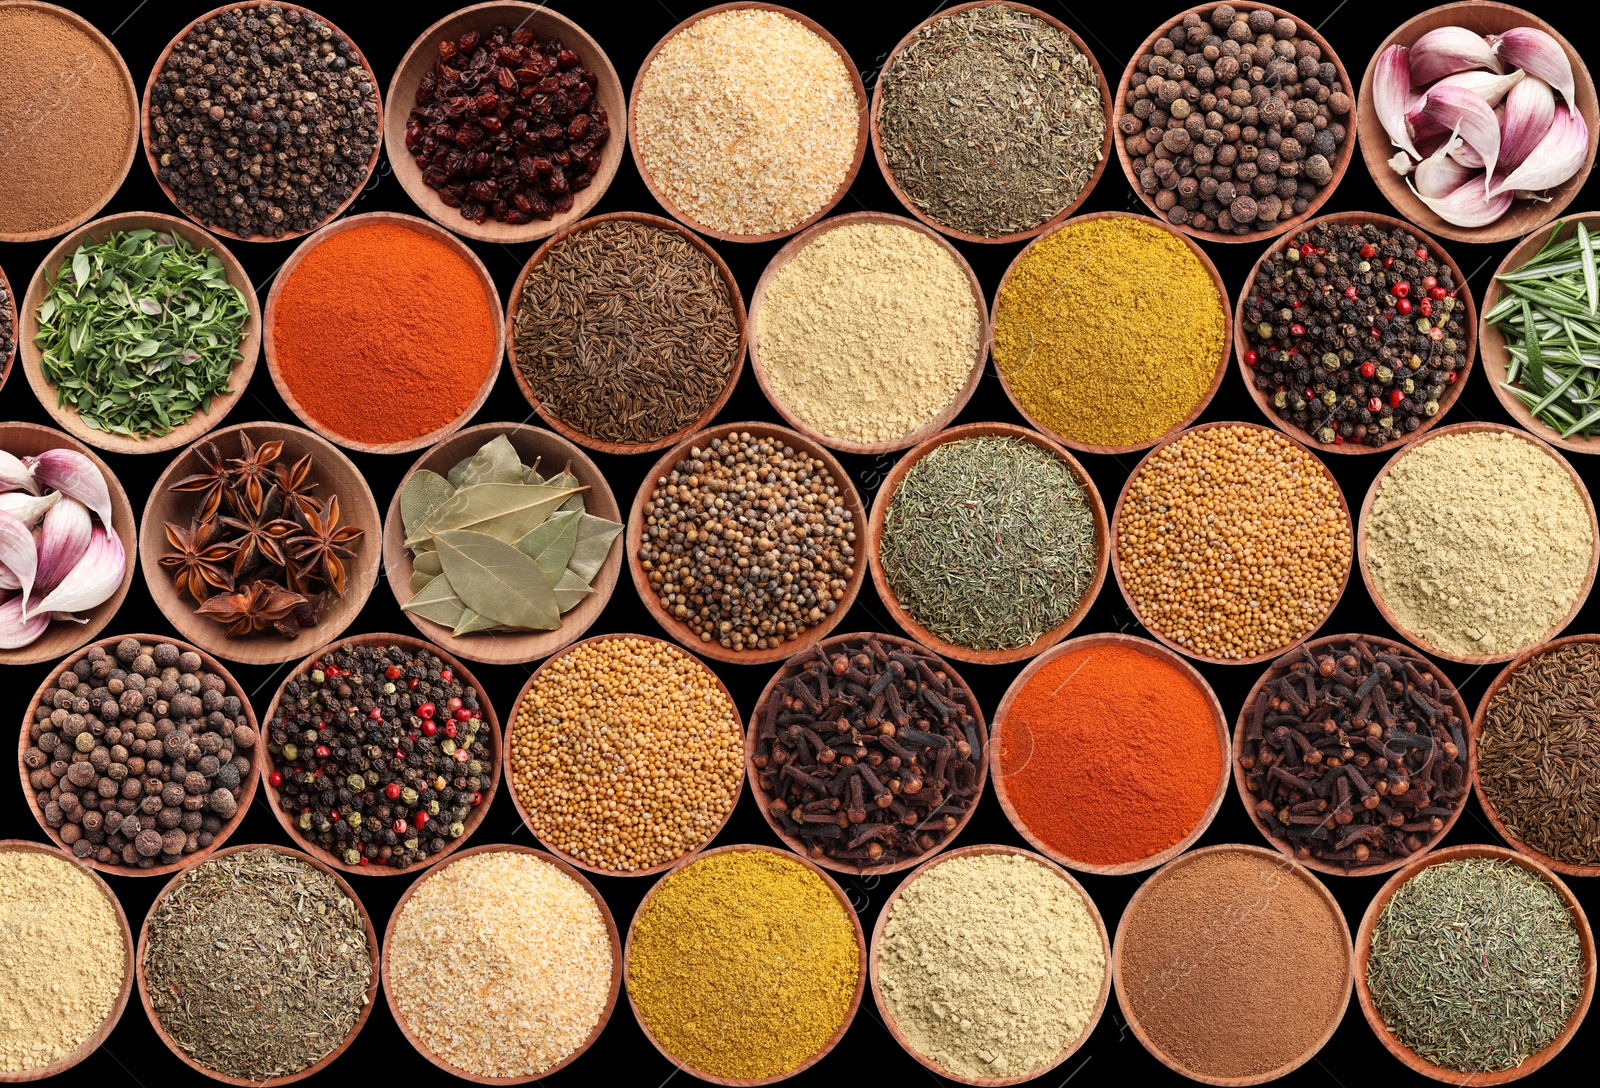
500 964
626 754
1233 963
869 332
989 542
1110 332
384 334
1233 541
748 121
743 964
1110 755
990 964
627 331
1539 753
55 1001
256 964
990 120
1479 542
1476 964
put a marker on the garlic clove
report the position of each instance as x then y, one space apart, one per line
1467 206
1486 85
15 631
1391 89
18 555
1448 50
1555 159
27 508
63 539
75 476
1471 116
1467 157
1538 54
15 476
1530 109
1439 175
92 580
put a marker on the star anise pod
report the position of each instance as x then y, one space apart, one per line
296 484
255 607
210 484
253 472
321 550
198 563
261 533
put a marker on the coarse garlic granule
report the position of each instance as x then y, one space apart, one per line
51 1000
748 121
500 964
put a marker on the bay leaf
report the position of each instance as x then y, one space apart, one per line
460 470
570 591
540 539
567 479
592 545
471 623
420 578
505 511
495 463
531 476
495 580
427 563
422 495
436 601
552 558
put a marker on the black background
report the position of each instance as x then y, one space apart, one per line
627 30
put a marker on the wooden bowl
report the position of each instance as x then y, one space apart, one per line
1452 393
553 421
429 230
880 510
1248 800
894 1028
336 476
789 252
1492 342
247 786
321 1063
1222 352
161 64
60 639
861 129
1525 216
763 798
616 963
850 1013
522 811
997 772
506 647
1233 924
474 818
418 62
1341 158
66 417
1369 922
680 631
1116 563
79 23
92 1043
8 314
1475 737
1016 236
1475 427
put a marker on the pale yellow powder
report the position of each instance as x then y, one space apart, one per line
869 332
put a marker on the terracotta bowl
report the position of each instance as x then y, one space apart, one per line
1475 427
850 1013
1369 921
932 1064
1291 871
554 422
792 250
861 130
418 62
66 417
1492 342
1481 17
763 798
60 639
997 772
247 787
1248 800
474 818
1222 352
880 510
336 476
132 97
616 964
8 314
1341 159
321 1063
92 1043
1452 393
427 229
1116 563
681 631
1475 738
522 811
160 65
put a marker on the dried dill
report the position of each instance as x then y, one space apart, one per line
989 542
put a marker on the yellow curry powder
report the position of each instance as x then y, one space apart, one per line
1109 331
743 964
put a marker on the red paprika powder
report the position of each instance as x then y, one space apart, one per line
1109 755
384 334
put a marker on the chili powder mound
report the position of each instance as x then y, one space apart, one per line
384 334
1110 755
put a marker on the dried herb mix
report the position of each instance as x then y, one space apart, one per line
256 964
8 329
